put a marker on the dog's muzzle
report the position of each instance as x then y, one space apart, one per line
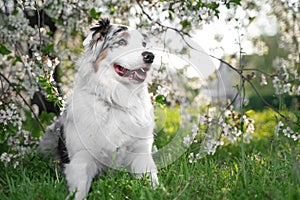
139 74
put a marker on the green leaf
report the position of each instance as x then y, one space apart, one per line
185 24
4 50
214 6
17 59
251 19
42 81
9 57
49 90
237 2
160 99
94 14
46 117
48 49
171 16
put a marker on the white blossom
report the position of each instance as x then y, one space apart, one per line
231 138
237 132
250 128
194 130
16 163
5 157
187 141
278 127
263 80
295 136
247 138
162 91
191 157
210 146
287 132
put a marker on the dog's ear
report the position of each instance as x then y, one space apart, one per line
98 32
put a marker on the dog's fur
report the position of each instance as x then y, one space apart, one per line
109 119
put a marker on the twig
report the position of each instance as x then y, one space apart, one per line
242 93
181 33
39 26
233 99
258 70
24 100
190 180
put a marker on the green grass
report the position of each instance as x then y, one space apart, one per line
271 166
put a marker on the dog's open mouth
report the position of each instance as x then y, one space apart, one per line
139 74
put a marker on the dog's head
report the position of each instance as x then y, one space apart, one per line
120 49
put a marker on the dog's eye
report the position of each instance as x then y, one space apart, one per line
144 44
122 42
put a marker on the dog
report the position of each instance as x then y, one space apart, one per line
109 118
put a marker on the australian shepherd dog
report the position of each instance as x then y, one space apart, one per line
109 119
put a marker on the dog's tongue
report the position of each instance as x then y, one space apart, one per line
138 75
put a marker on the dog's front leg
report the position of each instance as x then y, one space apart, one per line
79 173
144 164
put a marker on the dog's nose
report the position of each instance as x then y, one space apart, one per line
148 57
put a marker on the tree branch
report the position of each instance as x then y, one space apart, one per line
24 100
257 70
181 33
255 90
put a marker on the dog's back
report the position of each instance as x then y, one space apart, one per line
52 143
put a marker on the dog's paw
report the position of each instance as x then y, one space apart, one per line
154 180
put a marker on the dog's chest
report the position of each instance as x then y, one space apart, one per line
136 120
109 132
104 127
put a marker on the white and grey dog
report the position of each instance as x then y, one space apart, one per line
109 119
